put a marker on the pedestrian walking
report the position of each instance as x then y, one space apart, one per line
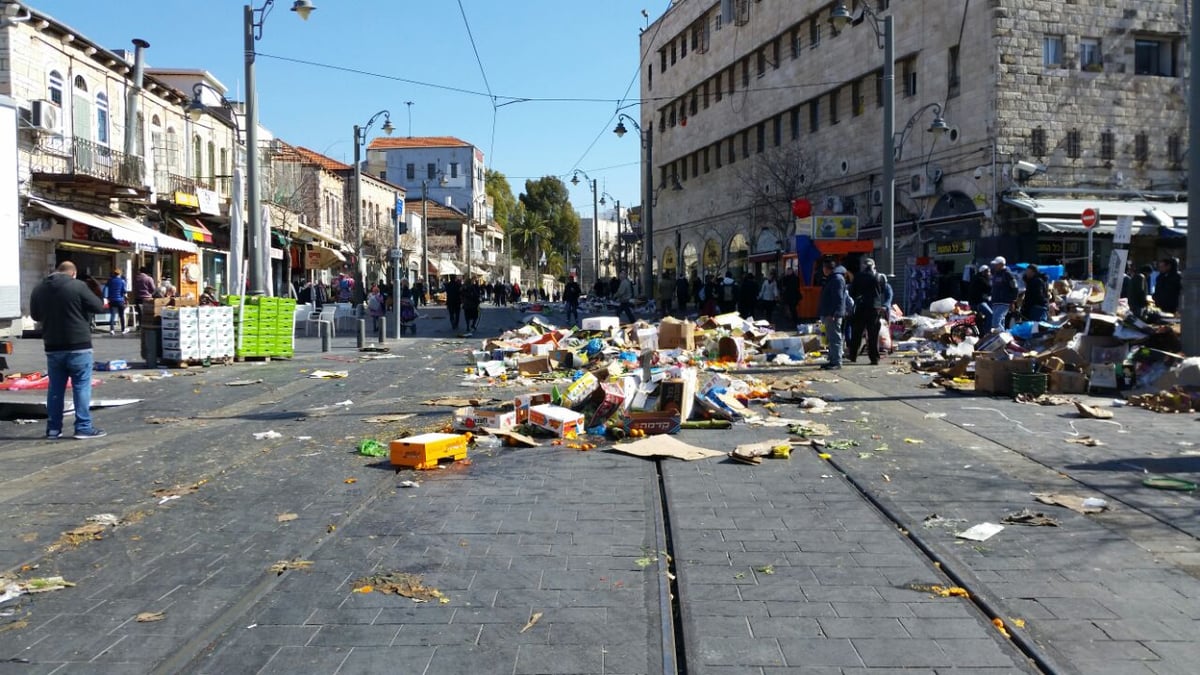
831 307
453 290
377 309
1169 286
1036 305
728 293
868 291
666 293
979 295
114 293
768 296
747 296
683 291
63 305
471 298
1136 292
1004 291
624 297
571 295
418 291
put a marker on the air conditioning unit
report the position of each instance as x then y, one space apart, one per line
45 115
876 196
922 186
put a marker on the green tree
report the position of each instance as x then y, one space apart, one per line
503 201
548 198
529 234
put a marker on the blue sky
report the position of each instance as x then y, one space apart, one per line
529 48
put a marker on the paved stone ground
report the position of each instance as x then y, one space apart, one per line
785 568
1109 593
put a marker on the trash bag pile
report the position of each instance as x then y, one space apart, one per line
1080 350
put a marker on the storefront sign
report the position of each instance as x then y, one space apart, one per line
952 248
669 259
1059 248
208 202
835 227
82 232
186 199
712 254
312 259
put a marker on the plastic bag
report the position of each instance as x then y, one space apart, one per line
943 306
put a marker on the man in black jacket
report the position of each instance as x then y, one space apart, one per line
571 294
867 290
64 306
453 289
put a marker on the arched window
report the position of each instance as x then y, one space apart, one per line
81 110
225 181
102 118
55 88
197 158
171 150
212 164
157 144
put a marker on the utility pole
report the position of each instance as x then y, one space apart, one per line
595 232
424 232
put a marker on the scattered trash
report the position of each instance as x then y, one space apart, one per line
403 584
1092 412
388 419
328 374
533 619
164 420
1083 505
350 481
665 447
168 498
293 564
109 519
999 624
363 589
369 447
940 591
935 415
913 441
177 491
25 421
267 435
242 383
286 517
1028 517
753 453
842 444
765 569
1169 483
1086 440
980 532
409 484
934 520
150 617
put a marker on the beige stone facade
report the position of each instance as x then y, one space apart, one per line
736 92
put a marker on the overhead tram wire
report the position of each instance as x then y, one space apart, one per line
504 100
486 84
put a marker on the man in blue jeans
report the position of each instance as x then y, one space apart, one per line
64 305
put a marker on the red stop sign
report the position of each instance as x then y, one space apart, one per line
1089 218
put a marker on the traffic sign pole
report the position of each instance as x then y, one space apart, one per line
1090 218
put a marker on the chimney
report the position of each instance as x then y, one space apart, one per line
133 98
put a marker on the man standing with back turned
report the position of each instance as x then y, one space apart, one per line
63 305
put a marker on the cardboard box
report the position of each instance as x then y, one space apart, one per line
425 450
1104 376
678 394
647 338
562 422
534 365
605 323
523 402
676 334
731 348
472 419
1068 382
606 400
652 423
994 376
578 392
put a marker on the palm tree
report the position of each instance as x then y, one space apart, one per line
528 232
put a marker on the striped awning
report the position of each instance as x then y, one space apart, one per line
194 230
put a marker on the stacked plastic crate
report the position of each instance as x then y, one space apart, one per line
197 333
264 326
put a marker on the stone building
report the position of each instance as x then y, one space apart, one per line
1050 107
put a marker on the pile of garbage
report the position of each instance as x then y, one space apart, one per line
1082 350
604 382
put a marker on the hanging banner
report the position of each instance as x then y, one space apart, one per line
835 227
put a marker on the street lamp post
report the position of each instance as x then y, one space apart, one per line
259 248
195 110
885 38
596 200
647 137
360 137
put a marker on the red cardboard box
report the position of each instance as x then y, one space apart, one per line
607 399
523 402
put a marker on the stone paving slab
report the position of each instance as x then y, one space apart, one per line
753 601
1094 599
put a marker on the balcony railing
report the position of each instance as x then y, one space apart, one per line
167 183
79 157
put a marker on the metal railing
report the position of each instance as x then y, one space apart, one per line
81 157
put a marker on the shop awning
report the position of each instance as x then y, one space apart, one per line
163 241
1063 215
194 230
328 257
98 222
318 236
443 267
765 256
